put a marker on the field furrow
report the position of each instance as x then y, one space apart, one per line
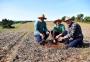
10 48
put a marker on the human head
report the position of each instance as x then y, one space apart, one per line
58 21
68 20
42 17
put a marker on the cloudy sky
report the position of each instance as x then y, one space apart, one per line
53 9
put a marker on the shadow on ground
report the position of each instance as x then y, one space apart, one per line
86 44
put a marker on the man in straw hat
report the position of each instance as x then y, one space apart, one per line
74 34
41 32
57 30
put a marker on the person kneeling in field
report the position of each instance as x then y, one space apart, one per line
74 34
41 32
57 30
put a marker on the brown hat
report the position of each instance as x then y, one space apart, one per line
58 20
42 17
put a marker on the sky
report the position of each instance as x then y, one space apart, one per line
53 9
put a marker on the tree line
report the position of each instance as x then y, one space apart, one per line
6 23
79 18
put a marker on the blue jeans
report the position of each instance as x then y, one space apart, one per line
75 43
39 39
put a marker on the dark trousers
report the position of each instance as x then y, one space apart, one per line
75 43
54 34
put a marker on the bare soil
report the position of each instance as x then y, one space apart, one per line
21 47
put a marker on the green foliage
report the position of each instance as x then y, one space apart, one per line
87 19
80 17
73 18
22 22
7 23
0 23
63 18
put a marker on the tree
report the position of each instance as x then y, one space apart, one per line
73 18
87 19
63 18
4 23
7 23
80 17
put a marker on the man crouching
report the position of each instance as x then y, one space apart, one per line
74 34
41 32
58 29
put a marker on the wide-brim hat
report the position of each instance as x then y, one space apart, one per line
67 19
42 17
58 20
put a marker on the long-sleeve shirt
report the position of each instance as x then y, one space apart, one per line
40 27
59 28
74 31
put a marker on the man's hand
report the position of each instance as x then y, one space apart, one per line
47 32
42 35
57 36
60 38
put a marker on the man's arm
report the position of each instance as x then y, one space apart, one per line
37 27
71 33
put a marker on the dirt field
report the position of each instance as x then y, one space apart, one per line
18 45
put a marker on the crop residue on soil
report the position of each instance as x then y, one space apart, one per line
30 51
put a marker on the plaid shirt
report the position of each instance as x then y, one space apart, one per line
74 31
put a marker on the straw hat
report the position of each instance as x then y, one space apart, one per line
58 20
42 17
67 19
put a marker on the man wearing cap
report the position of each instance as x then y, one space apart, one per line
41 32
74 34
58 29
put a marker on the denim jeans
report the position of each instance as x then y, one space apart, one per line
39 39
75 43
